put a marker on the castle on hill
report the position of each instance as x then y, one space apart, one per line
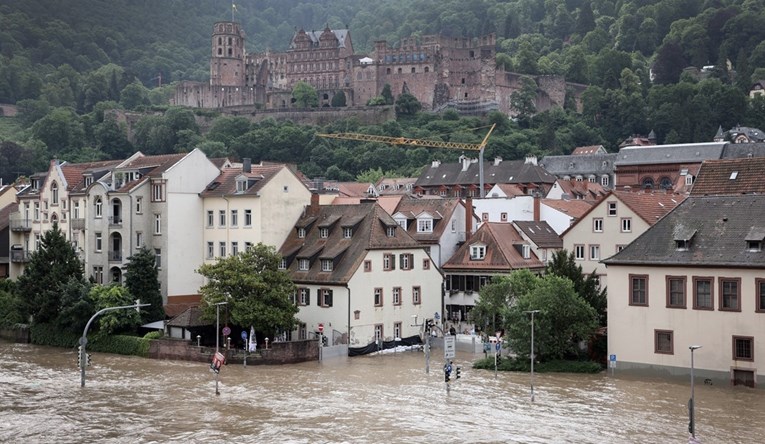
441 72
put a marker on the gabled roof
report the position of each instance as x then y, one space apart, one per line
650 206
503 251
739 150
730 177
257 178
677 153
590 149
513 171
191 317
5 214
574 208
399 185
388 203
540 232
441 209
582 189
598 164
314 36
370 223
720 226
73 171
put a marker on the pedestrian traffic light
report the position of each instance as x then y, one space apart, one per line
458 373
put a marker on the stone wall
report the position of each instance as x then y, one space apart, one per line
20 333
277 353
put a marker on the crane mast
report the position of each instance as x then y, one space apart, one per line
420 143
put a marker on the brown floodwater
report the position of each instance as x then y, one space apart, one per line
368 399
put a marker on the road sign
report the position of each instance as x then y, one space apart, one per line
450 346
612 364
244 335
226 331
321 328
612 358
498 346
436 316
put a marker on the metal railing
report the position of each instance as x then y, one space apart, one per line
115 256
19 256
18 224
115 220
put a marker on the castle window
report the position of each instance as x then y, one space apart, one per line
387 71
220 51
229 51
427 69
463 80
399 70
413 69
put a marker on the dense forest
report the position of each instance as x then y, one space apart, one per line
678 67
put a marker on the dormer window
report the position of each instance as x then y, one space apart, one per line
88 181
391 231
347 232
425 225
683 237
241 185
301 233
323 233
326 265
477 252
526 250
304 264
35 184
283 264
754 239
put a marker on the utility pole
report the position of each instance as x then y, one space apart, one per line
533 312
83 358
217 338
691 419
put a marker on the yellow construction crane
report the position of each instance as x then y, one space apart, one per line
420 142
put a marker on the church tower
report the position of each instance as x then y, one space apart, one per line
227 63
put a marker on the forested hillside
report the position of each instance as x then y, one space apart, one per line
64 63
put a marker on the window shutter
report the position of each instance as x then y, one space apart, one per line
307 296
392 261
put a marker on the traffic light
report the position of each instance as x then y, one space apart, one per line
87 359
446 376
79 356
458 373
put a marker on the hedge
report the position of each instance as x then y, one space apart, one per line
523 365
45 334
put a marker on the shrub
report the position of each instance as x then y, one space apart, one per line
523 365
45 334
153 335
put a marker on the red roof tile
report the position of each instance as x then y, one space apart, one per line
503 251
730 177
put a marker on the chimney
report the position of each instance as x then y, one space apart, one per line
246 165
468 217
313 209
531 160
537 200
497 160
465 160
435 164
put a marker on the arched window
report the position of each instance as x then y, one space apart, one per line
647 183
665 183
99 205
54 193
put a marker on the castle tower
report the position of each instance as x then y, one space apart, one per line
227 62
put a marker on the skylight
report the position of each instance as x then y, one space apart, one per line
733 175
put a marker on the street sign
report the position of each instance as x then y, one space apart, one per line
450 346
226 331
244 335
612 364
436 316
498 346
612 358
321 328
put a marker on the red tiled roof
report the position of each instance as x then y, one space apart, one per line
650 206
441 209
503 252
225 183
574 208
180 303
588 190
73 171
590 149
730 177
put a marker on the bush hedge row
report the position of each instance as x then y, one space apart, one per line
523 365
45 334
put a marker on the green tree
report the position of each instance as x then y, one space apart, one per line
370 175
257 291
111 138
564 318
523 101
563 264
142 281
305 95
338 100
76 306
114 295
407 105
387 94
49 268
61 130
10 304
134 95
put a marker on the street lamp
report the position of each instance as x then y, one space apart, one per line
691 421
533 312
217 338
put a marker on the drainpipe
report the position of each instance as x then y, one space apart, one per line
349 314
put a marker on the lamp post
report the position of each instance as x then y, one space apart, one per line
217 338
691 420
532 312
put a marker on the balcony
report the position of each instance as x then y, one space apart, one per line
19 256
78 224
20 224
115 256
115 220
